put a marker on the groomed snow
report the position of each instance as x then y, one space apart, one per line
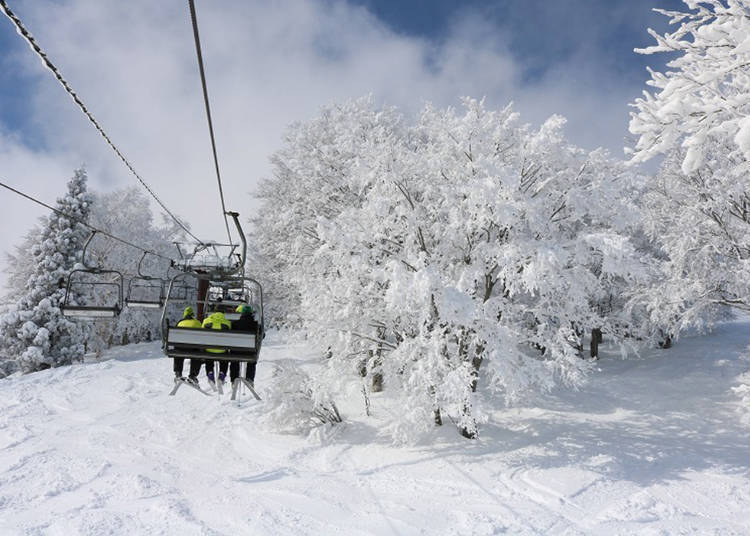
649 446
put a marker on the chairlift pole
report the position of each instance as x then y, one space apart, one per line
85 247
236 217
140 264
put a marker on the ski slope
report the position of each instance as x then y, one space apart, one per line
647 447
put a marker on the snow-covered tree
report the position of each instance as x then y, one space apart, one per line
33 332
697 207
311 181
705 92
702 222
19 265
465 246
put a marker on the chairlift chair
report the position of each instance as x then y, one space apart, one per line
181 292
104 285
145 291
193 343
233 292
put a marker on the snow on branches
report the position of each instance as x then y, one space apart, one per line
705 92
698 205
701 221
466 247
33 332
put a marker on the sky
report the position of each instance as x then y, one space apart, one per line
269 64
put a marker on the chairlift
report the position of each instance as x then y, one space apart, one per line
145 291
181 292
192 343
104 286
228 295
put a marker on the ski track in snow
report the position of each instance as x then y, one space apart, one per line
649 446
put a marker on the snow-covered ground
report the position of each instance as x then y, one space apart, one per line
649 446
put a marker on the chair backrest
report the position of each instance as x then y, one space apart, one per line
203 339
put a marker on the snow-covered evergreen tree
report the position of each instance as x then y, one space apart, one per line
466 248
124 213
33 332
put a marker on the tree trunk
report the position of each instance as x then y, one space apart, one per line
475 363
666 341
367 400
470 431
596 339
377 382
377 362
436 417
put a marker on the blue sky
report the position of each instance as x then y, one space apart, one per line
542 32
272 63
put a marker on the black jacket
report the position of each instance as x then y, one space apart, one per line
246 323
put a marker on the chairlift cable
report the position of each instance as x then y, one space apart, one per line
194 19
23 32
86 224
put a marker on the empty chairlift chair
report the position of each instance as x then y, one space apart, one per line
92 293
228 295
144 291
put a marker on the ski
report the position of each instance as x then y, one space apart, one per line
179 382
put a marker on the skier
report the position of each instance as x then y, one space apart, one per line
188 321
216 321
246 322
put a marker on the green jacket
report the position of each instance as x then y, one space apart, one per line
189 323
216 321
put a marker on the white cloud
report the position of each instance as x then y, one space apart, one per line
268 64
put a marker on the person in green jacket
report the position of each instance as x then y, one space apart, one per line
216 320
188 321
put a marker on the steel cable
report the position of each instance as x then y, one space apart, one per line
23 32
194 19
84 223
